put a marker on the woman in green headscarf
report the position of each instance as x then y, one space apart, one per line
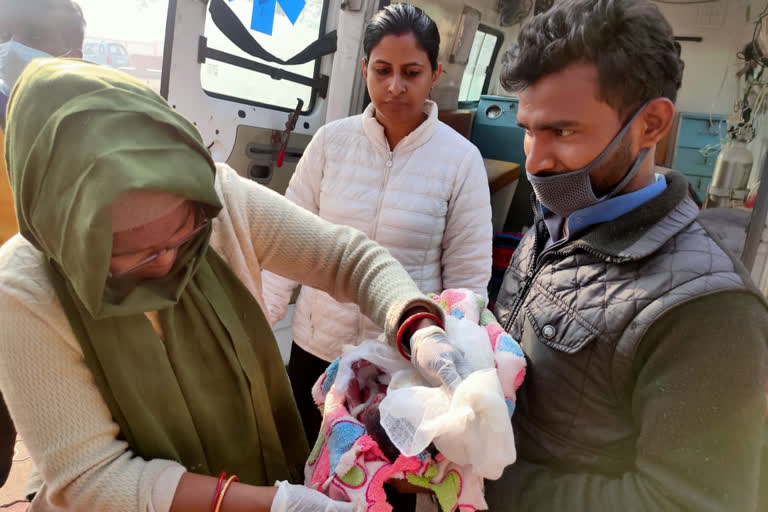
136 360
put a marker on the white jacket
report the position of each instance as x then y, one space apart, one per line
427 201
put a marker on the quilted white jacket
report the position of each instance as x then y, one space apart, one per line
427 201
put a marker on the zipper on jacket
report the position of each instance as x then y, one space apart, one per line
538 259
532 269
529 276
389 165
375 230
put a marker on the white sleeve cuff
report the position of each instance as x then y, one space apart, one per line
165 488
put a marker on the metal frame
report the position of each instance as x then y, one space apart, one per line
318 82
492 63
218 118
757 220
495 55
168 48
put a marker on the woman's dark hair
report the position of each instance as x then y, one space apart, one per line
399 19
629 41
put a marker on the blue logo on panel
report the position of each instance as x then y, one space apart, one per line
263 19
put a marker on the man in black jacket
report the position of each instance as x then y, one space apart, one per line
647 343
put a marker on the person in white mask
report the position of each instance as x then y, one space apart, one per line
31 29
646 340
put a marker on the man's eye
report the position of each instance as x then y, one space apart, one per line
382 71
413 73
563 132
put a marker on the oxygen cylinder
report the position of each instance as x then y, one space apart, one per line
732 169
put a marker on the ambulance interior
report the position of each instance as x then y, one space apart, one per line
259 78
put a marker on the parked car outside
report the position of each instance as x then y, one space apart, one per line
108 53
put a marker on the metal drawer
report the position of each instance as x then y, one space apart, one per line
700 131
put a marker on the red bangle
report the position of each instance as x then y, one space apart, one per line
223 493
222 477
404 328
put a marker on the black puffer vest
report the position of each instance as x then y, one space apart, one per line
579 312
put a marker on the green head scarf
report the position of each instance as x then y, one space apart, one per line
212 392
80 136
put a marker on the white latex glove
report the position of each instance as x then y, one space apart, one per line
297 498
436 359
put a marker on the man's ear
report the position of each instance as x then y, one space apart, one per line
364 67
656 120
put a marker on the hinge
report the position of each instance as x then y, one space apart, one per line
351 5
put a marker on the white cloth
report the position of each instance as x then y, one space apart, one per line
427 201
470 424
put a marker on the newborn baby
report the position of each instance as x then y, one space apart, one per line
357 453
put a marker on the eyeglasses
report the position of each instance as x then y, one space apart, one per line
149 259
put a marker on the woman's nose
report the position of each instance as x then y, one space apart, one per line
396 85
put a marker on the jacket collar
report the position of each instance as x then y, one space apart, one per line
418 137
642 231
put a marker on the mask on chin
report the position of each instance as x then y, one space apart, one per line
571 191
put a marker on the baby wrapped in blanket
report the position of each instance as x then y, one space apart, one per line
381 421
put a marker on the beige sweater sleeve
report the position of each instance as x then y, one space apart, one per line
51 394
296 244
56 406
303 190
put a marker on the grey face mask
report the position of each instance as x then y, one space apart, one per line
571 191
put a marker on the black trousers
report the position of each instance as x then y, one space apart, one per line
304 369
7 441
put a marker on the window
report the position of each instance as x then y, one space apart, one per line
128 35
232 82
482 57
117 49
90 49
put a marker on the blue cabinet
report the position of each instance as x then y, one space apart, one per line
696 132
699 130
497 135
693 162
495 131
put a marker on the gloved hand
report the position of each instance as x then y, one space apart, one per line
297 498
436 359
